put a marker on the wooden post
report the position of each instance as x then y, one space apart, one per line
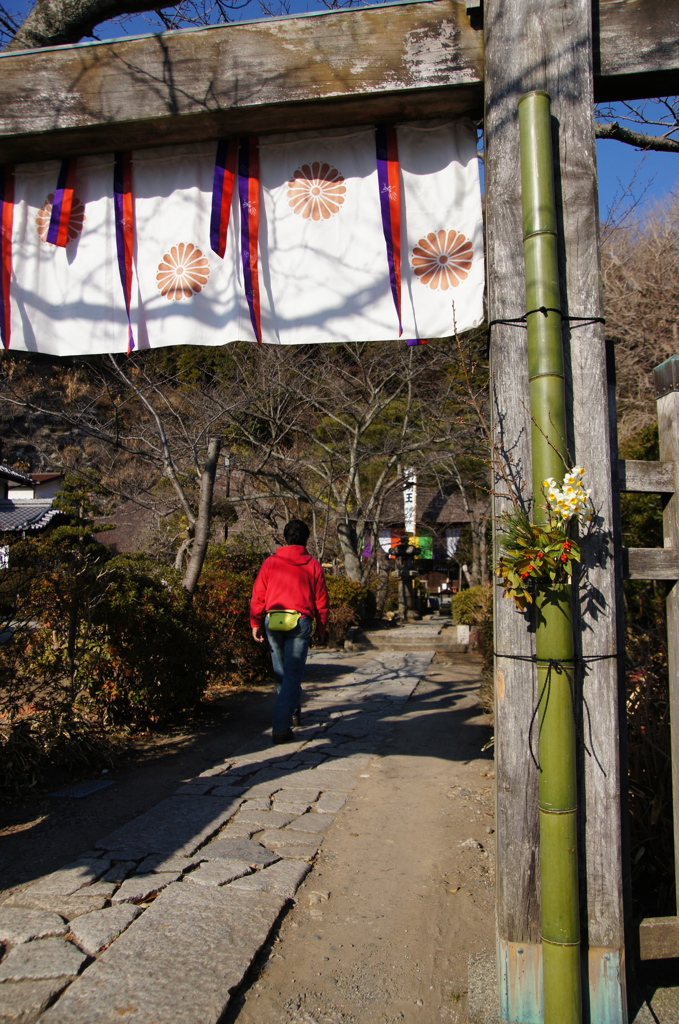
668 433
548 45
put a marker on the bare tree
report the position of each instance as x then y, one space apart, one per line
647 124
330 428
154 439
641 294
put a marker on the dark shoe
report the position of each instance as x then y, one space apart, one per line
297 719
283 737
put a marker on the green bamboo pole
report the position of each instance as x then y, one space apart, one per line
554 633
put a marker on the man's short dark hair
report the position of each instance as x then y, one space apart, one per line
296 532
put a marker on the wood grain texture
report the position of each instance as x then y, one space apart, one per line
547 45
649 477
338 67
636 49
659 938
668 434
393 62
651 564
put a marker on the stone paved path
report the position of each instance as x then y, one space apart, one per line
159 923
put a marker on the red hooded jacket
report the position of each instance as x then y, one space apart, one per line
292 579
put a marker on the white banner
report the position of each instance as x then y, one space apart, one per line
452 540
410 500
324 274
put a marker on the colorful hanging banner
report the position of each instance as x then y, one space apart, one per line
6 225
389 182
57 232
248 194
226 166
123 202
417 341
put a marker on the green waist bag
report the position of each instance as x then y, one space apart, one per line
283 620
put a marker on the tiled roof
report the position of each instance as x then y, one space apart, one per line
10 473
434 507
31 514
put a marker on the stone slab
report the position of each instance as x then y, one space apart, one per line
219 872
283 837
94 931
178 825
119 872
159 862
236 830
66 906
308 796
22 1002
228 792
140 887
257 803
352 728
323 778
283 878
293 807
263 819
103 889
216 769
125 853
349 762
267 787
42 958
70 878
311 822
20 925
331 803
208 937
307 853
239 849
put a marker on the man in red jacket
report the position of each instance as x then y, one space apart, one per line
290 581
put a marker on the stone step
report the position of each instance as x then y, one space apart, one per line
405 645
411 637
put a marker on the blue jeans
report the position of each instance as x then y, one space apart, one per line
288 657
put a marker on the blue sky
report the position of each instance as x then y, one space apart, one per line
653 175
650 176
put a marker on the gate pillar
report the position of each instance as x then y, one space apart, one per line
547 44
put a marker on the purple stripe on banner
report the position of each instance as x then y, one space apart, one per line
387 226
55 218
218 196
216 214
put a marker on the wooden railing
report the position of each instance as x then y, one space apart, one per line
659 936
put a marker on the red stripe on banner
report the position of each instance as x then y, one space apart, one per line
128 242
226 170
66 205
253 225
6 225
123 201
394 180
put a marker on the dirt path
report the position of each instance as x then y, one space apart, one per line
402 891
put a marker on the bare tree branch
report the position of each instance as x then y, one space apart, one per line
642 140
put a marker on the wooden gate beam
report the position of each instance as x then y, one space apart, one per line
393 62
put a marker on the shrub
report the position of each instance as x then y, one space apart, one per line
344 592
470 606
474 607
222 606
147 662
